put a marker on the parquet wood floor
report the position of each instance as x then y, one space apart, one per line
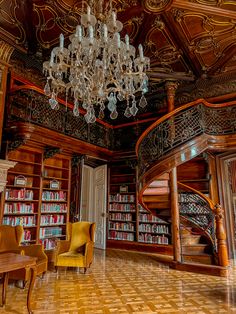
122 282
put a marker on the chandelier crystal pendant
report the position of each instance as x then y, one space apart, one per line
98 68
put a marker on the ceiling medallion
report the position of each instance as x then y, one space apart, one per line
157 6
97 67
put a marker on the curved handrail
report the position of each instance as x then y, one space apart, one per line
207 199
198 121
174 112
201 205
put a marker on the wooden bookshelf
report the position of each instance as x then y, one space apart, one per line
122 203
54 214
41 203
151 229
129 225
21 203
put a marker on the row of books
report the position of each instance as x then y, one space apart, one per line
153 228
121 226
27 236
54 196
21 208
50 232
120 235
47 208
149 218
52 219
48 244
122 198
148 238
120 216
122 207
26 221
21 194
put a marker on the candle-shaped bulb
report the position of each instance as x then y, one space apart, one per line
105 32
127 41
117 39
114 18
79 32
91 33
140 48
88 10
52 58
88 13
61 41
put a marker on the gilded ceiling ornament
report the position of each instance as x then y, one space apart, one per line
157 6
122 5
205 44
158 24
178 14
5 51
166 55
213 2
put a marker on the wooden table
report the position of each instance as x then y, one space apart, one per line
12 261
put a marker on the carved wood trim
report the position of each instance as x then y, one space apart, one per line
41 137
182 4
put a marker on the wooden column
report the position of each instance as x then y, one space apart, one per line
213 184
221 237
171 89
5 54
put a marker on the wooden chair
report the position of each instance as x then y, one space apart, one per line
77 251
10 238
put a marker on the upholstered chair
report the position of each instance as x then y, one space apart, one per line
77 251
10 238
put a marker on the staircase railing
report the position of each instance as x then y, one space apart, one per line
198 209
178 137
182 126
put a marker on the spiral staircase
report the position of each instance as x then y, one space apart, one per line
176 139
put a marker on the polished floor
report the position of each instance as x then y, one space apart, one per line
124 282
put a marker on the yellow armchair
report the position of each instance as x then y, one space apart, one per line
10 238
77 251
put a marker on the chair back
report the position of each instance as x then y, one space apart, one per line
10 237
80 233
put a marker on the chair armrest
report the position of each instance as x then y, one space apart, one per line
89 251
35 250
62 246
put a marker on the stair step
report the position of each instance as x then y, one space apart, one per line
156 191
159 205
190 239
164 176
206 259
156 198
194 249
159 183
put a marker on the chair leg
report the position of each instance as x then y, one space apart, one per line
43 274
85 269
56 269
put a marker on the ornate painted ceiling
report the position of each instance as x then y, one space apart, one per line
191 41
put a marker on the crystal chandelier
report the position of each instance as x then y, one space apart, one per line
97 68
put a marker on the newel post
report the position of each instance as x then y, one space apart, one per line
221 236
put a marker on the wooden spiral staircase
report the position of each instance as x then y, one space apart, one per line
174 140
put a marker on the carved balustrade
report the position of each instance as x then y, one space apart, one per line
182 126
32 106
198 210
